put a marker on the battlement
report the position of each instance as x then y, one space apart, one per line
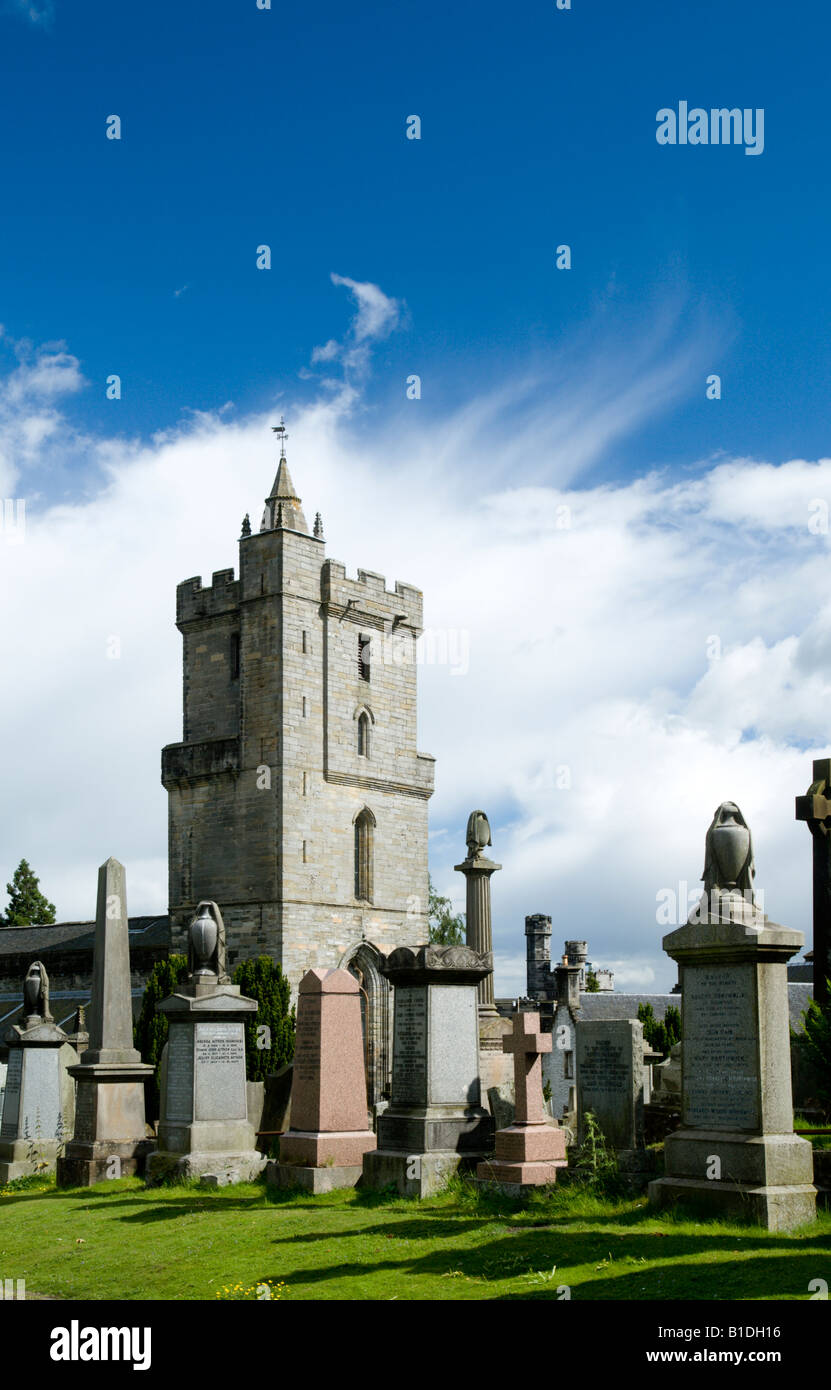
193 602
369 598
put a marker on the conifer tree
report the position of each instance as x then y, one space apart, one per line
150 1031
27 905
266 1051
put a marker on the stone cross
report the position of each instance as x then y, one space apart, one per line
527 1044
815 808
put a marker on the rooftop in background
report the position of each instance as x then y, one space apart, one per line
78 936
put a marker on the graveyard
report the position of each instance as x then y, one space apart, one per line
422 1138
415 522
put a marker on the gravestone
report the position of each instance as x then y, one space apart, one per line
276 1116
529 1151
329 1134
610 1079
435 1122
204 1129
109 1138
39 1095
736 1152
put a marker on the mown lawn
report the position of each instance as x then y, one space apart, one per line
120 1240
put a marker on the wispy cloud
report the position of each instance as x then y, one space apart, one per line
40 12
375 318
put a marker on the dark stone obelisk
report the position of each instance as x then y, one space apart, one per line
815 809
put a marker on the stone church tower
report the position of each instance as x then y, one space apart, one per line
297 799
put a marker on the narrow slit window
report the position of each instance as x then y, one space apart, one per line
234 656
363 735
364 851
364 648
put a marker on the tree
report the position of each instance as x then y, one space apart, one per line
816 1043
592 987
446 927
672 1023
150 1031
269 1034
27 905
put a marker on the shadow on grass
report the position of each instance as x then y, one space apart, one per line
645 1266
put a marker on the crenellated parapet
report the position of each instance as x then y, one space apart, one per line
193 602
368 600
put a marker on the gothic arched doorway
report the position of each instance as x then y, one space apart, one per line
363 961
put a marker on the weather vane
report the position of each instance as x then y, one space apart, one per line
283 433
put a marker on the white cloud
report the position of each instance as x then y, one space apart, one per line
588 657
376 316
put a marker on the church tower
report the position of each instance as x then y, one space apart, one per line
297 798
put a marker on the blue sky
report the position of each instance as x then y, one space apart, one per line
590 647
287 127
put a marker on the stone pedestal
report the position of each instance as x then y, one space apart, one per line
527 1153
39 1099
435 1122
109 1139
204 1130
329 1134
736 1151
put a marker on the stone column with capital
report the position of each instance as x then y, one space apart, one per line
479 932
477 869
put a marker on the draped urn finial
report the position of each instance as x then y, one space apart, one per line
728 862
204 934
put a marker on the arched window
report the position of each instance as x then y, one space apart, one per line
364 850
363 735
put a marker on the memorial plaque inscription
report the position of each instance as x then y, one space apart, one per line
220 1072
409 1076
720 1048
179 1101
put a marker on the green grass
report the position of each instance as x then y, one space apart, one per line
120 1240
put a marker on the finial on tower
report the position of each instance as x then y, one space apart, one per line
318 526
246 525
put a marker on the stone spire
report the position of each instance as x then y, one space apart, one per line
282 505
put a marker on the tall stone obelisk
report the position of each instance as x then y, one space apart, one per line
110 1136
478 870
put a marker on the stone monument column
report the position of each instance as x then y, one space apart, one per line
110 1137
493 1064
479 933
204 1129
39 1097
736 1152
435 1121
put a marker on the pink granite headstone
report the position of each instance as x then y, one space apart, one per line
328 1094
530 1150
